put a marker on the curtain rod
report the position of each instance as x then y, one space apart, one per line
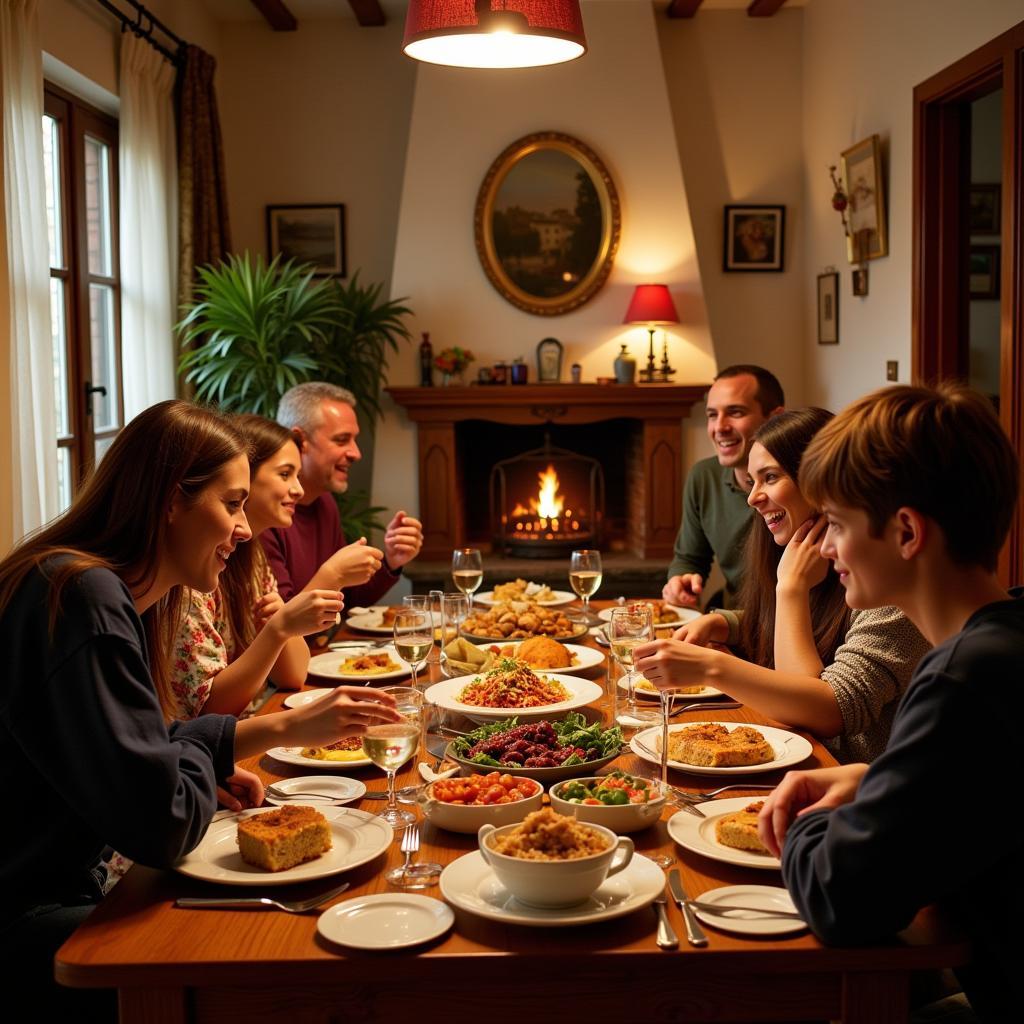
143 25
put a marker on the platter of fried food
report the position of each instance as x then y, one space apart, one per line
512 687
520 620
726 833
723 748
374 664
523 590
664 614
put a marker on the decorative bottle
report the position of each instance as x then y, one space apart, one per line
426 362
625 367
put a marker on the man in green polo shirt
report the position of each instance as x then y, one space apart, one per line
716 516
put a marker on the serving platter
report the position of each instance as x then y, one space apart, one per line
445 695
586 657
545 776
557 597
698 834
478 638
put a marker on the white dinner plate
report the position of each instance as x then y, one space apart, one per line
698 834
789 749
681 698
444 695
357 837
747 922
683 615
370 622
470 884
301 698
586 657
385 921
335 789
557 597
327 666
293 755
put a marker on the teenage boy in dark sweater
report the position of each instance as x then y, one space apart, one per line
919 488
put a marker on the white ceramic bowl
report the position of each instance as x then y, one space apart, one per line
555 883
620 818
468 818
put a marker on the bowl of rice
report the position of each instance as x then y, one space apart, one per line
549 860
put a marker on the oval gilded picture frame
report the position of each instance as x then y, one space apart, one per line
547 223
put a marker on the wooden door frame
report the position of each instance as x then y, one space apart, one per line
939 305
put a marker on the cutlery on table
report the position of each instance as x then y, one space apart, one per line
689 806
698 798
286 794
667 938
694 933
410 845
703 706
723 909
291 906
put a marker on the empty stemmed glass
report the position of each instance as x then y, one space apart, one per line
390 745
467 571
585 576
413 637
628 628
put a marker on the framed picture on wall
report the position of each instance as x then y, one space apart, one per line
754 238
868 238
983 270
984 209
828 308
309 233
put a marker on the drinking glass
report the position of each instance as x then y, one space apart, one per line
628 628
389 746
413 637
467 571
456 610
416 602
585 576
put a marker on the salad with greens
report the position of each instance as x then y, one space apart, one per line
571 741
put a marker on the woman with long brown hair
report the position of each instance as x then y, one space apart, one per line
805 658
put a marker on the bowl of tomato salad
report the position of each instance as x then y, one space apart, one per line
621 802
463 804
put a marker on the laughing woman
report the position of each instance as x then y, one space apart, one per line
89 608
807 660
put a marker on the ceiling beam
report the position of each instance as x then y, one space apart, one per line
683 8
763 8
277 15
368 13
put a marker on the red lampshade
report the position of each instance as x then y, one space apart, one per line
651 304
494 33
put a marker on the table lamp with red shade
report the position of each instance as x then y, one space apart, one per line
652 306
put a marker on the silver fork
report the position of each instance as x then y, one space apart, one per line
703 706
697 798
291 906
410 845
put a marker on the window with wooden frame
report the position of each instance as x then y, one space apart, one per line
80 158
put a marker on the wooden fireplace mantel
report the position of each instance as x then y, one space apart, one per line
658 480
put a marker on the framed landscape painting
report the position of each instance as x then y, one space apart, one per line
754 238
309 233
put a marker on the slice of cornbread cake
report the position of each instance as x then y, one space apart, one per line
739 829
283 837
711 745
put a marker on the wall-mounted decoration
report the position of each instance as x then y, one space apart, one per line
309 233
984 213
866 237
828 308
547 223
983 270
860 281
754 238
549 361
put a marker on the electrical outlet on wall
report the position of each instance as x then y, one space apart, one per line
892 369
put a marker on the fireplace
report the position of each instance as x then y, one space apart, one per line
546 502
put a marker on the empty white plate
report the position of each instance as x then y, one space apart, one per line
385 921
331 789
746 922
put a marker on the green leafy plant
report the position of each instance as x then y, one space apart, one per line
358 517
254 331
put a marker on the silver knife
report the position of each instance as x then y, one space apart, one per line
694 933
667 938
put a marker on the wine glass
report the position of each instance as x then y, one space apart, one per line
390 745
585 576
413 637
467 571
456 610
628 628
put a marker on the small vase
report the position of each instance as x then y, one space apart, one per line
625 367
446 379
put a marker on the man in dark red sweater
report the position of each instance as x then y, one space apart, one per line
312 552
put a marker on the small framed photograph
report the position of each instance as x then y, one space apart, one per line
309 233
754 238
860 281
549 361
983 271
983 217
828 309
868 238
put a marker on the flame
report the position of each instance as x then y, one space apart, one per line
550 503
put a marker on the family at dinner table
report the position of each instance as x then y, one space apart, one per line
861 604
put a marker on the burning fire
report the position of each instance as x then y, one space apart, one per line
547 513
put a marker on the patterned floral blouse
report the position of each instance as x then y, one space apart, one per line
204 647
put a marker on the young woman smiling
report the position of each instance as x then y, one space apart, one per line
233 639
807 660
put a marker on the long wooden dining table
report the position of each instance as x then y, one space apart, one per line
175 965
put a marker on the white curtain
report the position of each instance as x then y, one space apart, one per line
148 225
33 455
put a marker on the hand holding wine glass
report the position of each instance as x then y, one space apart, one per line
467 572
628 628
585 576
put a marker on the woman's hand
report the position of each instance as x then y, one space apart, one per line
802 565
240 791
800 793
345 711
266 608
354 563
669 663
703 631
308 612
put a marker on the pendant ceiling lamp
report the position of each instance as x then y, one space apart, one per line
494 33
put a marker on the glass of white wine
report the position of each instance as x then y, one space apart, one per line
389 746
585 576
628 628
467 572
414 636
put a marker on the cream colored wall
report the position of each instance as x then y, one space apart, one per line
861 63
